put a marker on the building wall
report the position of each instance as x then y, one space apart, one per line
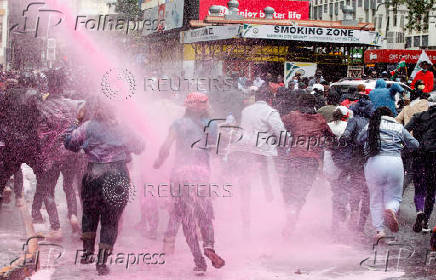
388 23
3 30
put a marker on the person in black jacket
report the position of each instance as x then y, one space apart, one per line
362 112
423 126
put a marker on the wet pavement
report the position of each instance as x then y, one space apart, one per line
262 255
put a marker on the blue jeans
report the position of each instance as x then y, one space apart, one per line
384 176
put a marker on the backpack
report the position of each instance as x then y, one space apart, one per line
428 141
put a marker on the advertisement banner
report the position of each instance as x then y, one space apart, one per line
166 16
209 33
312 34
284 9
394 56
306 69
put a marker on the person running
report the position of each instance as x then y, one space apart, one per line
191 167
384 140
105 192
304 156
259 121
359 194
423 126
383 96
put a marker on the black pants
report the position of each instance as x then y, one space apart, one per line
98 203
45 191
430 180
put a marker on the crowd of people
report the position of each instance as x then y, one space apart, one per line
361 140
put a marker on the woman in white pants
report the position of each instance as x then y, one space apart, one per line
384 140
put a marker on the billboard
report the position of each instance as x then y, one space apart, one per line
169 15
284 9
394 56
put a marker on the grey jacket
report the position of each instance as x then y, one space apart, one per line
393 137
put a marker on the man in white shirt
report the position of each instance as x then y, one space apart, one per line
262 131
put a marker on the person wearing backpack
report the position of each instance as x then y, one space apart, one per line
423 126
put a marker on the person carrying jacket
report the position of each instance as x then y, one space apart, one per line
423 126
383 96
384 140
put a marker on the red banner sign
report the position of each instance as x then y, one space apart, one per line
284 9
394 56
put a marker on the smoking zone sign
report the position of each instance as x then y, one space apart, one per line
292 10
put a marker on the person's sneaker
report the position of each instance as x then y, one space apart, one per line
38 220
425 227
74 223
417 226
216 260
54 235
379 236
102 269
391 220
200 270
19 202
7 195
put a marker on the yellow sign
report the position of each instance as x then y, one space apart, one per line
250 53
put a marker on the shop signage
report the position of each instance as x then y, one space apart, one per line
355 71
169 15
312 34
305 69
209 33
284 9
394 56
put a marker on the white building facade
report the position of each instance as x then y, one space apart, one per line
389 22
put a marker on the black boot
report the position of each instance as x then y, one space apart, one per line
103 254
88 248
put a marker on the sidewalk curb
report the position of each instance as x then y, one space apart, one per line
25 265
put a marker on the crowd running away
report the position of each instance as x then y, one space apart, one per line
369 144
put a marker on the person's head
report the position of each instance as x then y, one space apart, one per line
361 88
326 86
279 79
318 74
96 109
291 85
425 65
340 114
297 76
197 104
418 92
261 94
306 102
385 75
374 129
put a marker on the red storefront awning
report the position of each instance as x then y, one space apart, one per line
394 56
